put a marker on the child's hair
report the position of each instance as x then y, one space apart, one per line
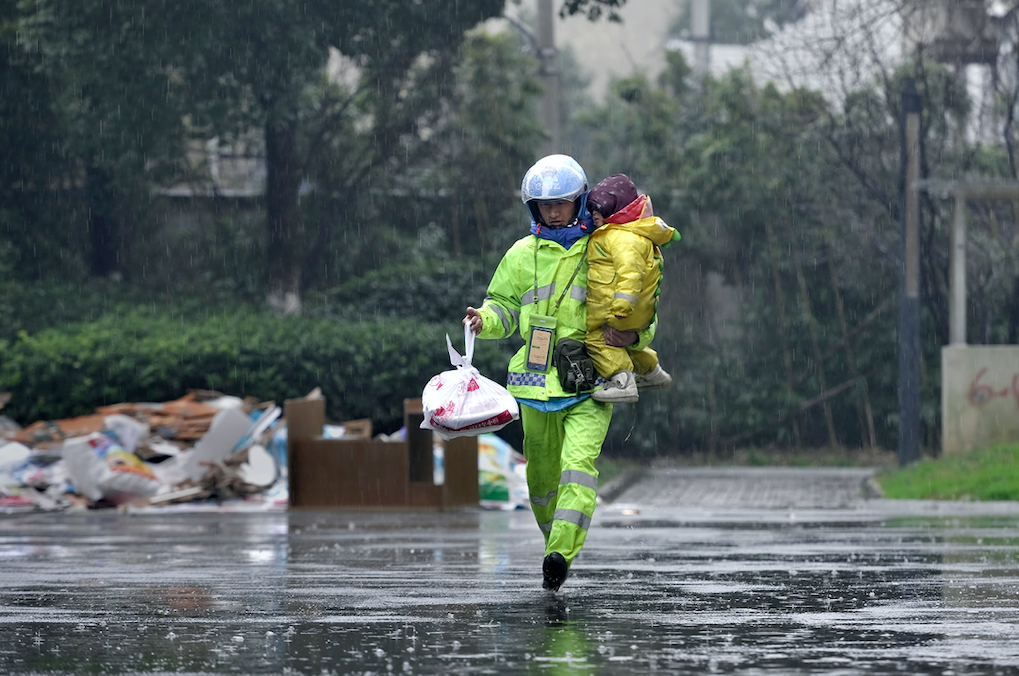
611 194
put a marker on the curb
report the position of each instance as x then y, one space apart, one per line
871 489
619 484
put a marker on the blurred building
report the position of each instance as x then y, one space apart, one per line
606 49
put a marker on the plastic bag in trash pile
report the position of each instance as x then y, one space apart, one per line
101 468
502 474
463 402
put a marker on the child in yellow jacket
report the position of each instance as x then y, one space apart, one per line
624 274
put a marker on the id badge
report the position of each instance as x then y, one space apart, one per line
539 342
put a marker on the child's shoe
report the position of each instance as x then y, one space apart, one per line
656 379
619 389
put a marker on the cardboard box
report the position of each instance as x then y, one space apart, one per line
364 472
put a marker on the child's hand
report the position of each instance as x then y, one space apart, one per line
474 320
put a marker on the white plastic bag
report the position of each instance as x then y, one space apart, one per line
99 467
463 402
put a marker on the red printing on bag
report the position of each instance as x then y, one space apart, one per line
472 385
463 407
447 410
502 418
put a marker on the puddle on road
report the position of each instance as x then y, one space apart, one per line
322 593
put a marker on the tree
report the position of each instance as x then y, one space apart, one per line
31 158
274 50
736 168
136 80
130 73
120 117
456 140
859 54
490 140
789 191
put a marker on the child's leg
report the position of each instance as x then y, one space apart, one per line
644 361
650 374
608 360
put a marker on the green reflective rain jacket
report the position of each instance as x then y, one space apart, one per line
532 277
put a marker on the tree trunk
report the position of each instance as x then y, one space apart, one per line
315 268
867 434
787 359
815 344
283 180
108 235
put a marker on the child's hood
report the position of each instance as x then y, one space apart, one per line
638 217
654 228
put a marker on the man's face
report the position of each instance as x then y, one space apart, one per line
556 214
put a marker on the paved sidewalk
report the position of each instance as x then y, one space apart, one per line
748 487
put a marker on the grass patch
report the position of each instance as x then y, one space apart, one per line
987 474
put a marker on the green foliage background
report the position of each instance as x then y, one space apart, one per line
410 173
365 369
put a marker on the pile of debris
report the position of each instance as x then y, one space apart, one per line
203 447
206 450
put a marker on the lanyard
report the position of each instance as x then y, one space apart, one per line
555 309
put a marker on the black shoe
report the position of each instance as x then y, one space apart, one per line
555 570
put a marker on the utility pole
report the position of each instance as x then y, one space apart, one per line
549 76
909 288
700 31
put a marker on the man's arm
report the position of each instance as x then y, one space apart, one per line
637 340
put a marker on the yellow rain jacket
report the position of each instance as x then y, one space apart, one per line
624 275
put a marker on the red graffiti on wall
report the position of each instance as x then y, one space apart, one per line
980 393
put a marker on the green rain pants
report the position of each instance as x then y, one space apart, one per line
561 447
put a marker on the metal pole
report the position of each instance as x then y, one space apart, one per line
549 76
909 296
957 273
700 31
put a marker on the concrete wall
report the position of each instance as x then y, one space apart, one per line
979 396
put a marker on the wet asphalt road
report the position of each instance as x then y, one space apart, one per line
870 586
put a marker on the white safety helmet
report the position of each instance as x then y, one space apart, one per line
551 179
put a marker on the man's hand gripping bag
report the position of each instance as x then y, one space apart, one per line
462 402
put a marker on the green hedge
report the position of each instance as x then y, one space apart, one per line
365 370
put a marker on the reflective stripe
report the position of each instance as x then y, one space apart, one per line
543 501
544 293
573 476
578 293
545 527
497 309
515 314
525 379
573 516
625 296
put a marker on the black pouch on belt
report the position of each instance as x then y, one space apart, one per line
575 366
